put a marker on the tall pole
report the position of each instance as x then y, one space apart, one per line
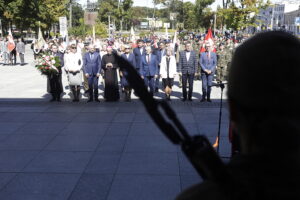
108 25
1 28
70 18
215 24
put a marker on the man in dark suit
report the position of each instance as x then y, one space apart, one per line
92 67
138 53
149 70
160 53
208 63
187 67
131 59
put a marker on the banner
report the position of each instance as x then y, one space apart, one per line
63 26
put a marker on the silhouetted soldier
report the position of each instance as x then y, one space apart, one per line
263 96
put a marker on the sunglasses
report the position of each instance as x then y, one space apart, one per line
73 48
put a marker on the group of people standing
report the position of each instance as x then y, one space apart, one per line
86 64
9 49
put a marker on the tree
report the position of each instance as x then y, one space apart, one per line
200 6
77 13
189 18
240 15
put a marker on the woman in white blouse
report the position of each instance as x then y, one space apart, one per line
168 71
73 66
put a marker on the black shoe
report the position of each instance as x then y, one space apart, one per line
90 100
190 99
97 100
74 100
208 100
203 100
58 100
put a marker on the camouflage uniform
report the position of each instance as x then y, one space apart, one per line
224 59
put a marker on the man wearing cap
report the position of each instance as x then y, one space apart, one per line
149 70
208 63
92 67
138 53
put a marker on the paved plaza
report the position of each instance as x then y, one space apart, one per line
89 151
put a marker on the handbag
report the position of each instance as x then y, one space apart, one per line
75 78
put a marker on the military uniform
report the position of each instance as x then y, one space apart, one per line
224 59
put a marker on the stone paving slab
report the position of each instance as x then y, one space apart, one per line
106 151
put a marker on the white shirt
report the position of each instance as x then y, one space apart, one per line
188 53
141 50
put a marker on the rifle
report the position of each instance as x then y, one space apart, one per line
197 149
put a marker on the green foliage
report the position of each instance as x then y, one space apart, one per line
27 13
200 11
239 16
84 30
77 13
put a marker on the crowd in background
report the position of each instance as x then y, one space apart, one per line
158 59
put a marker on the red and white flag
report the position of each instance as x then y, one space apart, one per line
208 40
11 43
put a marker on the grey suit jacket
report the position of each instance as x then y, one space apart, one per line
187 66
20 47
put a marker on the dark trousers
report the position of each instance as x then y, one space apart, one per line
13 57
149 82
187 78
93 86
55 85
206 84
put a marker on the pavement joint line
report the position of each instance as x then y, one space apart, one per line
123 151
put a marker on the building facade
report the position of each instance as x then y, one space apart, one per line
290 21
271 18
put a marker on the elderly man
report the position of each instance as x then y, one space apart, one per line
208 63
149 69
92 67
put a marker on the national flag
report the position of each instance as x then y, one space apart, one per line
208 39
11 43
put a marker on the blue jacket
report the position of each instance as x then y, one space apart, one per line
160 54
130 59
150 69
92 67
208 64
138 56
